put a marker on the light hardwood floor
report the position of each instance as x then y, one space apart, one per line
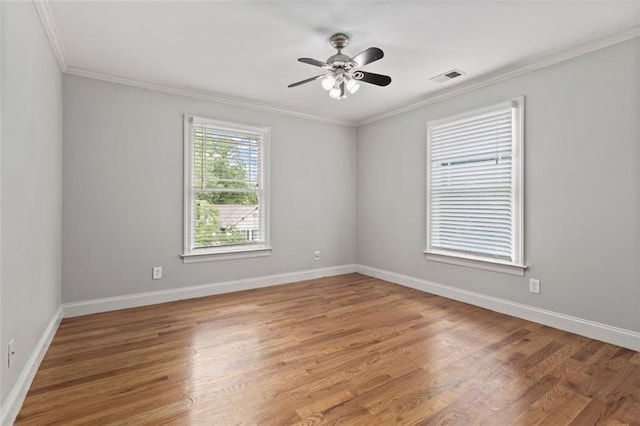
347 350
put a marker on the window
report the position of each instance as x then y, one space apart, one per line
226 198
475 189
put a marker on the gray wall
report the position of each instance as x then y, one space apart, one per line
122 192
30 173
582 183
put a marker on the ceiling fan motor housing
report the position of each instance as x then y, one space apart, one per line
339 60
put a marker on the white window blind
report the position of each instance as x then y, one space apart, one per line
225 194
474 184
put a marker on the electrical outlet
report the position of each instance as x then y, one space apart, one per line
316 255
534 286
11 353
156 273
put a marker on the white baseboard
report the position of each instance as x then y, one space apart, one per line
14 401
594 330
151 298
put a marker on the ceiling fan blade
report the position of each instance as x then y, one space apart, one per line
306 81
372 78
366 57
314 62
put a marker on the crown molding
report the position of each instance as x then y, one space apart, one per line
200 94
511 72
51 30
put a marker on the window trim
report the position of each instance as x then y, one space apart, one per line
225 252
517 267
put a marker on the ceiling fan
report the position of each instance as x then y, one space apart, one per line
343 73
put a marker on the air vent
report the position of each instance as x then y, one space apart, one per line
446 76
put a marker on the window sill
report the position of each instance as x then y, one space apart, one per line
243 253
477 262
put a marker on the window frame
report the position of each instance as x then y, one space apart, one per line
191 255
517 265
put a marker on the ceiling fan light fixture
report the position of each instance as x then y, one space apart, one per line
335 93
352 86
328 82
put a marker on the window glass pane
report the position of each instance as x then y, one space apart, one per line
226 218
224 161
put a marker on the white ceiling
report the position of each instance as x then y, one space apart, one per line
249 50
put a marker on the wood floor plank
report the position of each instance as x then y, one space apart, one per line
343 350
